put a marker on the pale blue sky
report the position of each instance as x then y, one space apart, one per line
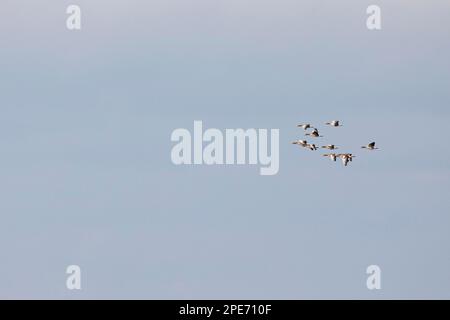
86 176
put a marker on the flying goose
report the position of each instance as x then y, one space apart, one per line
332 156
312 146
304 126
350 156
345 158
330 147
334 123
301 143
370 146
314 133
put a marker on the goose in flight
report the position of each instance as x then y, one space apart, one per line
330 147
312 146
345 158
304 126
332 156
314 133
334 123
370 146
350 156
301 143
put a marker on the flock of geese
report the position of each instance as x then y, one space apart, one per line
345 157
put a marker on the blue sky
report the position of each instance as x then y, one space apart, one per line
86 175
